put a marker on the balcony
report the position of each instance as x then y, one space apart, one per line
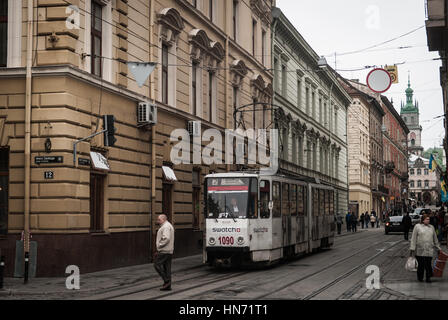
389 167
436 27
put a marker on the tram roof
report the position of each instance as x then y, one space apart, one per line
233 174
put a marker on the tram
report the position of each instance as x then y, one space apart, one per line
260 219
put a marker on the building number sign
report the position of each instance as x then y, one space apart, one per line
48 174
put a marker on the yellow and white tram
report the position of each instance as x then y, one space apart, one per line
253 218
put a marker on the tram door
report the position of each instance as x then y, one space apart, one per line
286 214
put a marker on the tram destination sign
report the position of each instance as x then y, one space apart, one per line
48 159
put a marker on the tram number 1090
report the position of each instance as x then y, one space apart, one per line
226 240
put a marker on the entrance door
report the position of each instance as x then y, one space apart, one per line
167 200
4 183
96 202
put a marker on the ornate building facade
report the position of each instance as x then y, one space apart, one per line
311 112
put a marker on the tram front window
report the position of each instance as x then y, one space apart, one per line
229 198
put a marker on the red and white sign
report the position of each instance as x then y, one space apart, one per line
379 80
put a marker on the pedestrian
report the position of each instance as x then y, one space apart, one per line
372 220
165 248
362 220
339 223
354 222
348 220
367 219
407 224
423 242
433 220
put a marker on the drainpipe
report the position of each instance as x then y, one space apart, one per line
28 95
153 129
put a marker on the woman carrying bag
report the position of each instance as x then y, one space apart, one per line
423 242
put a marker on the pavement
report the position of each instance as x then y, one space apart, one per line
398 284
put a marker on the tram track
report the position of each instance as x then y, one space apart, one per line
227 284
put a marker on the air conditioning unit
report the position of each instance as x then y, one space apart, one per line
146 113
194 128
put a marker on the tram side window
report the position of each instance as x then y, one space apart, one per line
321 202
293 199
285 199
327 202
332 202
300 202
305 201
253 199
315 202
277 205
264 199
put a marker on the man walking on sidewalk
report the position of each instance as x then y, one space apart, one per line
165 248
407 224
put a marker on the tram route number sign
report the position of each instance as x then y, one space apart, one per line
48 159
48 174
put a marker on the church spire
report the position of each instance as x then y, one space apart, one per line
409 107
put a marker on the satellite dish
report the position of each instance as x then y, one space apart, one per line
379 80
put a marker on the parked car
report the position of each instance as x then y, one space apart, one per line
421 211
394 224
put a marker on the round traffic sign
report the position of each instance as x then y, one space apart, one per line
379 80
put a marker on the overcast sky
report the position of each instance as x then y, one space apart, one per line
347 25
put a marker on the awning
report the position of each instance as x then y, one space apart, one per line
169 173
99 161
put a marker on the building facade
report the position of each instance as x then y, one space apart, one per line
311 112
366 169
210 58
424 185
411 116
395 153
437 33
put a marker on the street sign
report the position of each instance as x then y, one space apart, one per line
83 162
393 71
379 80
48 159
48 175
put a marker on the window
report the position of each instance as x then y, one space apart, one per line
264 199
327 202
419 171
263 47
276 78
235 18
320 110
194 88
210 95
294 148
293 198
419 183
195 3
301 204
411 184
252 210
3 33
235 100
321 160
284 80
307 97
314 157
313 104
426 172
412 171
96 38
254 36
210 9
285 199
165 73
276 209
254 113
315 202
299 93
426 183
4 191
300 153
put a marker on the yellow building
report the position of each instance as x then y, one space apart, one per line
211 56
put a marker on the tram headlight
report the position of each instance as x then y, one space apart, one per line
240 240
211 241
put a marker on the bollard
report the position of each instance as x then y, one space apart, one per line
27 262
2 268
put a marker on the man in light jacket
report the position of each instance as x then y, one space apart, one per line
165 248
423 242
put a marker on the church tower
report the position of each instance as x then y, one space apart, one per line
411 116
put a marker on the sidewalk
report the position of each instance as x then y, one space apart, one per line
91 283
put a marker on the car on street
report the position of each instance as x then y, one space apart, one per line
421 211
394 224
415 218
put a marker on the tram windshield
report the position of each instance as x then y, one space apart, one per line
231 198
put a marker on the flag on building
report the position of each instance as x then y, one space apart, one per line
442 184
432 163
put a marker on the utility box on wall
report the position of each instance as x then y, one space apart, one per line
19 265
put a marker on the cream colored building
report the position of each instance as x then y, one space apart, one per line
211 56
